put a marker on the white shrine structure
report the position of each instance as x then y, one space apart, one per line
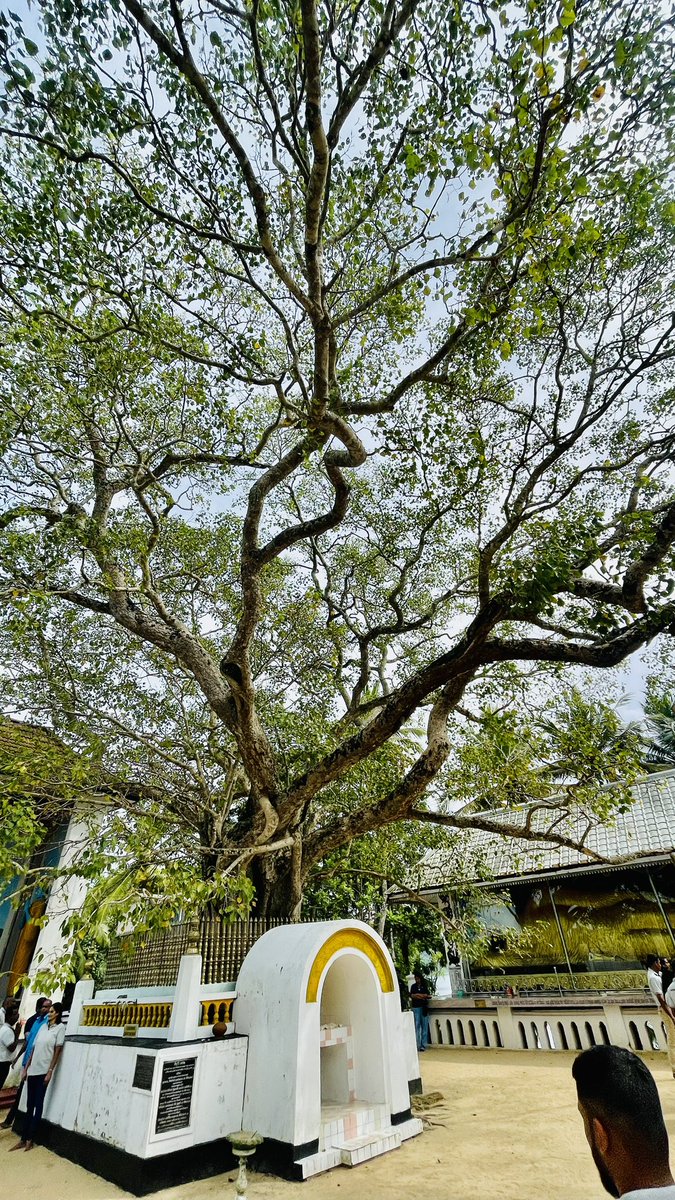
317 1058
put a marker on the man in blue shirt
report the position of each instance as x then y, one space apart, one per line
31 1029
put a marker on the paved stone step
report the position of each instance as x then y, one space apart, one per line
360 1149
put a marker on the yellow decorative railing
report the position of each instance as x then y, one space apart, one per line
150 1015
216 1010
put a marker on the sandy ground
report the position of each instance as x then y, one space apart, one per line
507 1129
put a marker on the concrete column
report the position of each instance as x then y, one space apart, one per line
84 992
184 1025
617 1030
508 1027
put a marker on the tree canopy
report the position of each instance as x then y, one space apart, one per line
336 403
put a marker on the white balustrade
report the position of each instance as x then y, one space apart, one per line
547 1024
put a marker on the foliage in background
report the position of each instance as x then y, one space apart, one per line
660 727
336 417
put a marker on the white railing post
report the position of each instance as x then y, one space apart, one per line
84 992
616 1024
185 1014
508 1027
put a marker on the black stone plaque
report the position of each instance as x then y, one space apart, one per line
175 1095
144 1071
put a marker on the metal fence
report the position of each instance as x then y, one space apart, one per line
225 945
152 960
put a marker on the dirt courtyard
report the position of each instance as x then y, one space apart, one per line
508 1129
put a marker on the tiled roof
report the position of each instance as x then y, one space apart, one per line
646 829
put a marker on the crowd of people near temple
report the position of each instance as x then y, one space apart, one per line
38 1047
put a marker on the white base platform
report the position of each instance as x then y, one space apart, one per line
374 1136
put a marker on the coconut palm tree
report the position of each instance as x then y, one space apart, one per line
660 723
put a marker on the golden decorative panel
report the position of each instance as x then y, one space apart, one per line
349 939
155 1015
584 981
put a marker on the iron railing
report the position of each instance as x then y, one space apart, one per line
152 960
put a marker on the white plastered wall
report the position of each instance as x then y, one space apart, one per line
93 1094
65 897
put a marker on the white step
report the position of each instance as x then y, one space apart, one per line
315 1164
360 1149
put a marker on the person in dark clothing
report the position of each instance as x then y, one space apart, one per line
420 994
41 1011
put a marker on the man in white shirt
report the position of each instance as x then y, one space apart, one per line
654 982
9 1029
624 1123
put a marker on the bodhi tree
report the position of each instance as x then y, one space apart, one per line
337 402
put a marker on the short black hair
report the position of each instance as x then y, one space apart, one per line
651 959
615 1086
42 1000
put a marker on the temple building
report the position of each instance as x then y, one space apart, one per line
561 921
31 912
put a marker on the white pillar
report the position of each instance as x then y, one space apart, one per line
508 1027
84 991
615 1024
185 1014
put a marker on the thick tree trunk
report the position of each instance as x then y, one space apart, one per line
278 885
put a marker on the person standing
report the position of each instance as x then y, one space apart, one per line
9 1035
420 994
31 1030
46 1052
669 1022
42 1007
655 983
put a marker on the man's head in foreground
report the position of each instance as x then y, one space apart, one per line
623 1121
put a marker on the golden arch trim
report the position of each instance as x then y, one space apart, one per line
349 939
